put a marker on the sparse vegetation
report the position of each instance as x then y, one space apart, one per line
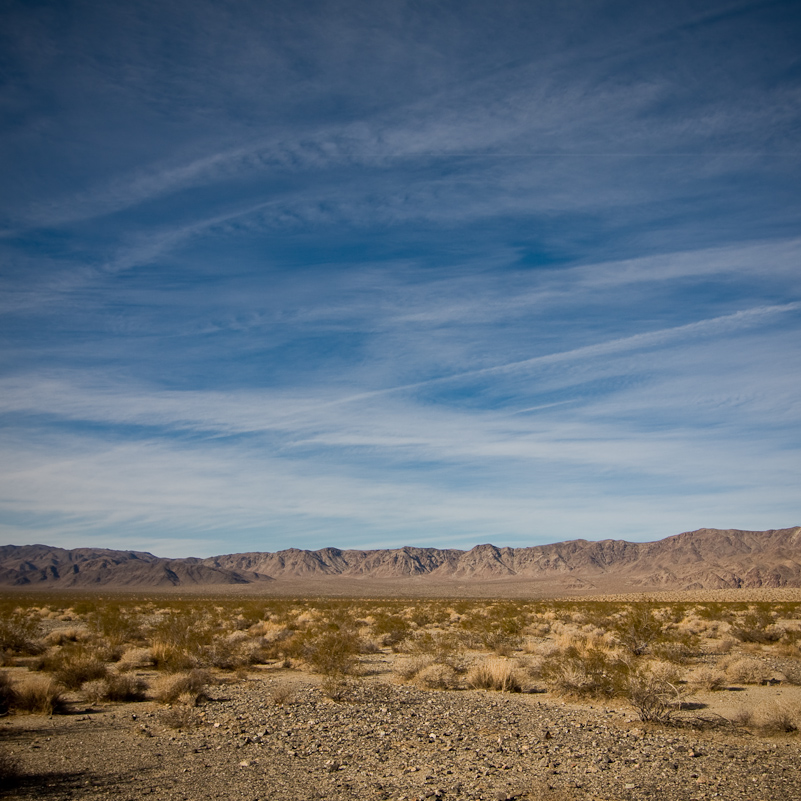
649 655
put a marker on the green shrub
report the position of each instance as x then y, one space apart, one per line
583 669
18 634
637 629
331 650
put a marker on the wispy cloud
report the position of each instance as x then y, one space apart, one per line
388 273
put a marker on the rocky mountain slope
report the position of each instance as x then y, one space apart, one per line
703 559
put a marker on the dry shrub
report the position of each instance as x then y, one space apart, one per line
745 670
779 718
115 687
707 678
332 651
336 688
494 674
72 665
282 694
18 634
437 677
407 669
269 630
38 695
186 688
135 659
391 630
172 658
225 657
64 636
653 691
179 717
637 629
438 646
743 717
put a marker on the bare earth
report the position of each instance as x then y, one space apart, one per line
385 741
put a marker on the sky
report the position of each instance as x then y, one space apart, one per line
379 273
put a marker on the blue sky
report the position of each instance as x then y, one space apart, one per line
369 274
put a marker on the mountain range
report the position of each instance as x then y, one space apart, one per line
702 559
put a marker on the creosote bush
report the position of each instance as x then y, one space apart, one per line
586 669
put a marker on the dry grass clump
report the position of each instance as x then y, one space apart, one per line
495 673
779 718
19 634
187 688
332 650
407 669
337 688
172 658
38 695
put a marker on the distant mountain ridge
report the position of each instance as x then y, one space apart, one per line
703 559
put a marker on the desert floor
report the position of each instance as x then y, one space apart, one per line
277 735
371 699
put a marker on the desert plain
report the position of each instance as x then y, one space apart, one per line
248 695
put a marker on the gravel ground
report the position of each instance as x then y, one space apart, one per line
384 741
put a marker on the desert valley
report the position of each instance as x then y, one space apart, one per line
580 670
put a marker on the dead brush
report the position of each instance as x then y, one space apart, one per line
778 718
7 694
494 674
584 668
179 717
442 647
121 687
135 659
437 676
19 634
74 664
282 694
38 695
654 691
706 677
187 688
745 670
64 636
172 658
